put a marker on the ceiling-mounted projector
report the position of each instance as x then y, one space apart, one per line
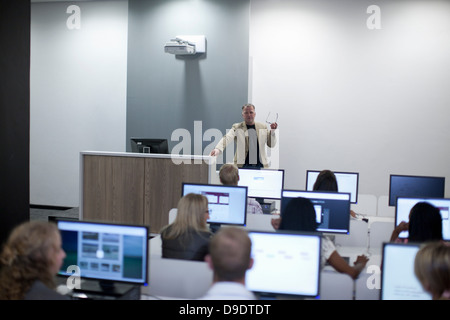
179 46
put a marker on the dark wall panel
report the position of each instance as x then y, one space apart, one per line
14 114
168 92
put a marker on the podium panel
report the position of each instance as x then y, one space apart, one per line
136 188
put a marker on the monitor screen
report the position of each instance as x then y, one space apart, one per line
103 251
146 145
226 204
347 182
415 186
332 209
263 183
398 281
285 263
404 206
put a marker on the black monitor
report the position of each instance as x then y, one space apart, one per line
398 281
226 204
105 252
147 145
262 183
404 206
285 264
347 182
415 186
332 209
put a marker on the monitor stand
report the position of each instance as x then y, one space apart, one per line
103 289
267 207
214 227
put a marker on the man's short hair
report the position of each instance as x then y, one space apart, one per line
248 105
229 174
230 250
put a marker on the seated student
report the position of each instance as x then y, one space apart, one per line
229 175
229 258
188 236
29 262
425 224
325 181
432 269
299 215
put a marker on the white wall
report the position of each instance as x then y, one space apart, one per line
78 93
350 98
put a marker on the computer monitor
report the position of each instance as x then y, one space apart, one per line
347 182
404 206
415 186
106 252
226 204
285 264
398 281
262 183
332 209
146 145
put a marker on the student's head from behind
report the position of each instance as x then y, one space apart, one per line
229 174
230 254
192 211
32 252
432 268
299 215
326 181
425 223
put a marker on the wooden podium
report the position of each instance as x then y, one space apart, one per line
137 188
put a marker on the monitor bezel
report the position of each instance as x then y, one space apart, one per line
383 266
317 235
335 173
244 223
134 142
420 199
263 169
328 231
145 281
392 202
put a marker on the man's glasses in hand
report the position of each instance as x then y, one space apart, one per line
268 119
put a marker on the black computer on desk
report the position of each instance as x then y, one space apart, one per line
104 260
286 265
263 184
147 145
415 186
332 209
227 204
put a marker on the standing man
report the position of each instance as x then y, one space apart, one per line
251 138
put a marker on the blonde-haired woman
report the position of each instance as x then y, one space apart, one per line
29 262
432 269
188 236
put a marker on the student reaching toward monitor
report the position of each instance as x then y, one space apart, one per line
299 215
425 224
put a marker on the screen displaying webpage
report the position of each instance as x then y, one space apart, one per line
264 183
103 251
332 209
226 204
286 264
